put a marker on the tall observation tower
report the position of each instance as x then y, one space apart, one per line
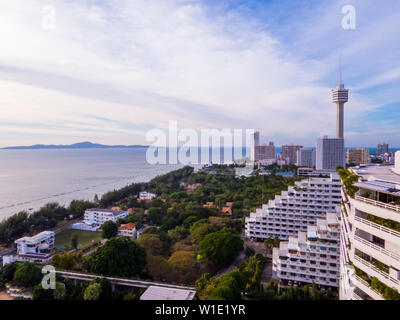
340 97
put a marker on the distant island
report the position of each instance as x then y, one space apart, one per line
80 145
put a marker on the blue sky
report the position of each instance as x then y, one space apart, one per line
111 70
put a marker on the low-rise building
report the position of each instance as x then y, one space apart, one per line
94 218
144 195
311 256
163 293
37 249
127 230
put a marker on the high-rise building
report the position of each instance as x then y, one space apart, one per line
370 236
330 154
340 96
306 157
382 148
265 152
311 256
289 153
295 209
357 156
255 144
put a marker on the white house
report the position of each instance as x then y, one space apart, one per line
144 195
127 230
95 217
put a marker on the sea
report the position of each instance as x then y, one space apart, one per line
31 178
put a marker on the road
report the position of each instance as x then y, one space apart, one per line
258 247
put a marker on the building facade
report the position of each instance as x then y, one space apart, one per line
382 148
370 236
36 249
255 143
306 157
94 218
289 153
311 256
357 156
330 154
265 152
127 230
295 209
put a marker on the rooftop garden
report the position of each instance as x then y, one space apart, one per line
348 179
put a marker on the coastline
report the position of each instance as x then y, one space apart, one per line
84 174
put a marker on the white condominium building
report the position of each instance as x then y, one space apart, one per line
370 237
144 195
38 244
94 218
311 256
295 209
35 249
99 216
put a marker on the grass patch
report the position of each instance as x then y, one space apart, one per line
63 238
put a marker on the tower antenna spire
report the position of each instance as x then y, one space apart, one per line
340 69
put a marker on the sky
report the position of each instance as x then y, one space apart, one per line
109 71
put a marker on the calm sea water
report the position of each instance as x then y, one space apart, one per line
32 178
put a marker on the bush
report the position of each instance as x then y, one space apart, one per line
27 274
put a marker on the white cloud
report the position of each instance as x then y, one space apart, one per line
141 64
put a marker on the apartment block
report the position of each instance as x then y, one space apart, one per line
330 154
370 236
356 157
289 153
37 249
265 152
306 157
292 211
94 218
382 148
311 256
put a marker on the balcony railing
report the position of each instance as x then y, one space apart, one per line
380 204
377 226
375 294
377 270
378 248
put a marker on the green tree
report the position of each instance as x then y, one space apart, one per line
154 215
92 292
178 233
42 294
74 241
158 268
152 243
77 208
118 257
184 262
27 274
220 247
60 291
109 229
